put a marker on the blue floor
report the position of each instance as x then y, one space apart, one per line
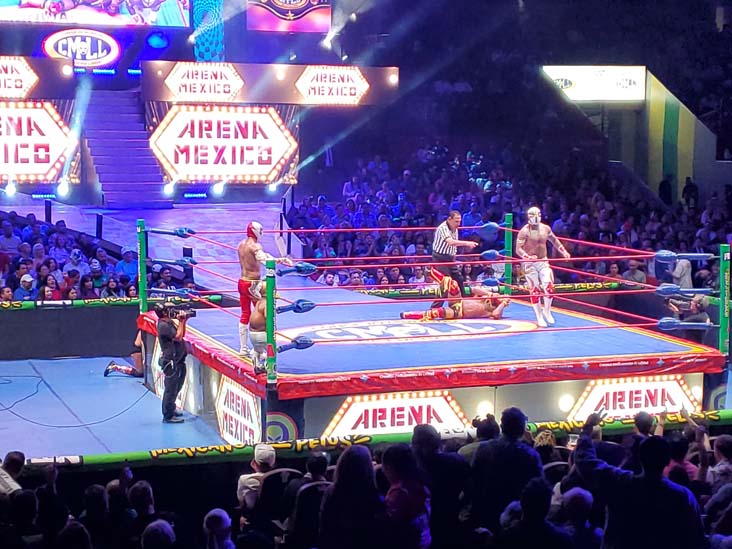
78 411
358 356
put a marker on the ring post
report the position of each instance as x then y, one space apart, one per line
724 281
270 320
508 246
142 264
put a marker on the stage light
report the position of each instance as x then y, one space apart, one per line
344 57
192 38
566 401
11 189
63 188
67 70
218 188
327 42
272 187
393 79
158 40
293 56
280 74
484 408
353 17
697 392
169 189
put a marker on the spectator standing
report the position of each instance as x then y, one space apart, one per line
502 468
534 530
577 506
690 193
445 248
407 501
485 429
721 473
352 513
446 476
637 500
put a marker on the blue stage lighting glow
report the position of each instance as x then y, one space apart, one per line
79 70
44 196
158 40
134 72
104 71
195 195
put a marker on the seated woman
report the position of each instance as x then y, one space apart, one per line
112 289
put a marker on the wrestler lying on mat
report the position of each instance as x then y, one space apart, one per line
483 303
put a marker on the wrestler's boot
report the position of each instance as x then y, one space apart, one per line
244 349
125 369
540 322
259 360
548 311
448 285
548 291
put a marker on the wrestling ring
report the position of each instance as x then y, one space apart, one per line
327 344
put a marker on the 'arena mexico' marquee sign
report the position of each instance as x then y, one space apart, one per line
16 78
34 141
624 397
396 413
238 414
223 143
332 85
204 82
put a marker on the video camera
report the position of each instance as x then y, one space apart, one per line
178 312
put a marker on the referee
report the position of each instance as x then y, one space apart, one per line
444 250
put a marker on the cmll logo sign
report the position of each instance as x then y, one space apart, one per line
86 48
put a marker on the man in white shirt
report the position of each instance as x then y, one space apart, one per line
247 490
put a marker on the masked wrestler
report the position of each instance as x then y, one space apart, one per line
483 303
258 332
531 246
251 257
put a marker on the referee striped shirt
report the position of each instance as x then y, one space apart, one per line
440 245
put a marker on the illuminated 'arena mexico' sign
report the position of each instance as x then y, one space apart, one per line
204 82
16 78
332 85
34 141
205 143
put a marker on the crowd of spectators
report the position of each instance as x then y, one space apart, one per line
378 217
43 262
504 489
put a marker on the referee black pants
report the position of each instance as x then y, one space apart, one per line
448 270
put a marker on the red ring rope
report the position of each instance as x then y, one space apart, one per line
541 330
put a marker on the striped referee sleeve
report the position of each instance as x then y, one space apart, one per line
440 245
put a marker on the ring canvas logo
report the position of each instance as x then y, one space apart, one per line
406 331
84 47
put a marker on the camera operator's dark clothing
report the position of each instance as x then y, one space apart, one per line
173 363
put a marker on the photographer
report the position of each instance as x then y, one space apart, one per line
171 331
